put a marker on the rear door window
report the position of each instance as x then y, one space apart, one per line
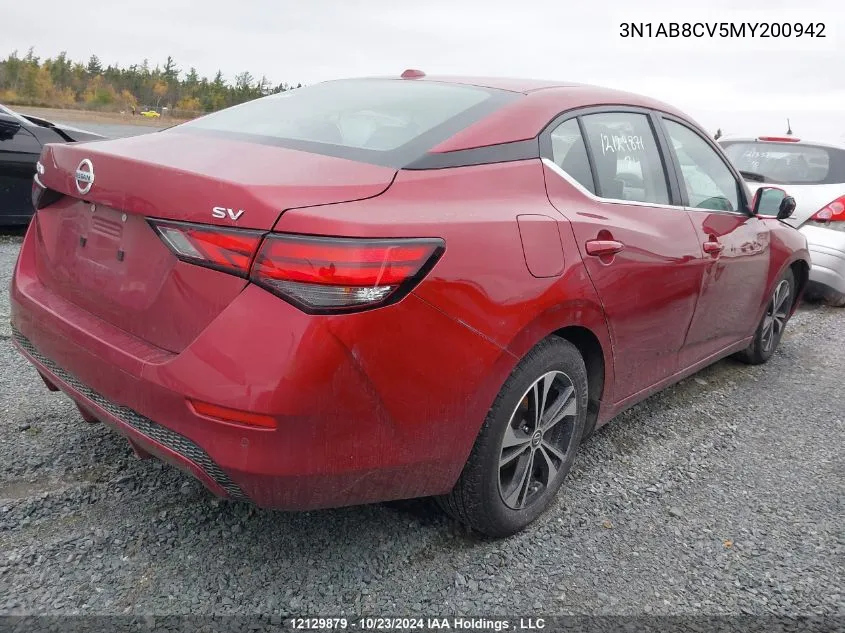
788 163
627 161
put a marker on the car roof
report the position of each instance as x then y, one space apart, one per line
542 101
511 84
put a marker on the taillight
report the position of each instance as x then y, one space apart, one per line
320 275
833 212
228 250
41 195
328 275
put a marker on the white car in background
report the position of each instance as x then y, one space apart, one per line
814 174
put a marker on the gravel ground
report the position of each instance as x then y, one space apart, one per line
722 495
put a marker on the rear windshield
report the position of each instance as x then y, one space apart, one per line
788 163
382 121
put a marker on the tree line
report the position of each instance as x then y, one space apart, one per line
62 83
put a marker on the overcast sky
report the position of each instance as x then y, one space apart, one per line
743 86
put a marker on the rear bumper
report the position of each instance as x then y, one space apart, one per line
370 407
827 253
144 433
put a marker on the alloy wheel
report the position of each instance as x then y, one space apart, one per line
776 314
537 440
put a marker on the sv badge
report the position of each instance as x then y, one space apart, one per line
222 213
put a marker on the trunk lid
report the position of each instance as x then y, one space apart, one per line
183 176
97 250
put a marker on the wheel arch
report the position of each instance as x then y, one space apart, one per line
801 271
591 351
583 324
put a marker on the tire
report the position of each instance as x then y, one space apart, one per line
770 330
819 293
835 299
497 500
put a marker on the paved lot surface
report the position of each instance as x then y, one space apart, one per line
723 494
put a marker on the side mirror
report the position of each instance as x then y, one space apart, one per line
772 201
786 208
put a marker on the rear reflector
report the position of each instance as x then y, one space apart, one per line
329 275
833 212
229 250
233 415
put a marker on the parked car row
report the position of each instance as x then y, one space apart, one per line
811 172
21 140
377 289
814 173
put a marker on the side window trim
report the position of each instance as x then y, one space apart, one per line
548 162
670 162
590 159
676 165
676 200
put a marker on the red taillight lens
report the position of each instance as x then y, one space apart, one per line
320 275
41 195
833 212
37 191
229 250
327 275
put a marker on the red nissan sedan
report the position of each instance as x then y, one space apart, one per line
387 288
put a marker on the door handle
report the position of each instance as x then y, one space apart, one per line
713 247
603 248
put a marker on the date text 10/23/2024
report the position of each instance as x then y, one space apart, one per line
418 624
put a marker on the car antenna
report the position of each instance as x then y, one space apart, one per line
718 134
789 128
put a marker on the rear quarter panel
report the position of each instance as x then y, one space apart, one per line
482 280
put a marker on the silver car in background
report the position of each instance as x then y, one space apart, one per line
814 174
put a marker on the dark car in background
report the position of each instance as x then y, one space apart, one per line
21 140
